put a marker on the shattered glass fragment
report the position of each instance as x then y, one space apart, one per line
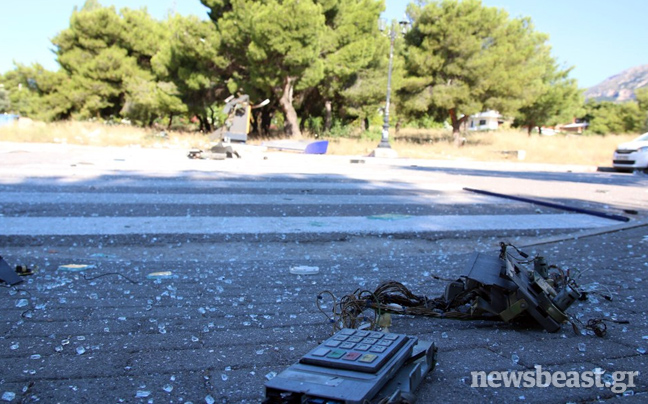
142 394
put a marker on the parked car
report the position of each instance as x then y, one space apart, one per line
632 155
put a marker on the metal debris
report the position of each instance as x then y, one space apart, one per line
509 287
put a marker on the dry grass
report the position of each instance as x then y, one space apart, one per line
409 143
96 134
494 146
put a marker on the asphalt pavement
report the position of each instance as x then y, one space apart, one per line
188 294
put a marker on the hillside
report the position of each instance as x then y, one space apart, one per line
620 87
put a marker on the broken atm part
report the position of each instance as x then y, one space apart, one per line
510 287
356 367
234 131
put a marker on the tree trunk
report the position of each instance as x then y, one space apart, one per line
456 127
258 123
205 127
291 124
170 121
266 120
201 127
328 118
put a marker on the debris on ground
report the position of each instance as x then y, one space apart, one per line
304 270
510 287
75 267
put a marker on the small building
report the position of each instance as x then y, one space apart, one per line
488 120
576 127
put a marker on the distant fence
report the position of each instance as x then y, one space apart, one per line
7 119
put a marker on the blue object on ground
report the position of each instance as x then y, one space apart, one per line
7 119
305 146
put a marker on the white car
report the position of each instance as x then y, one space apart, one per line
632 155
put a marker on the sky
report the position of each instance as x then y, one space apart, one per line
598 38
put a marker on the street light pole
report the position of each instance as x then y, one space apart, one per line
384 141
384 148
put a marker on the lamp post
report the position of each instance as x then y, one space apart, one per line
384 141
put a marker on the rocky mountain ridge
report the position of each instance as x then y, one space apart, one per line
620 87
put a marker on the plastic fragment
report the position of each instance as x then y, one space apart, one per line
102 255
304 270
75 267
142 394
271 375
160 275
8 396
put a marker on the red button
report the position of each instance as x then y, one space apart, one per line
351 356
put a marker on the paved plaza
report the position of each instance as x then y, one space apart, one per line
188 295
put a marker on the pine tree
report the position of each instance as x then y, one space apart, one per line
465 58
274 47
559 100
102 52
191 61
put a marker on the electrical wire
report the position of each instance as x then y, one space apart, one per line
364 308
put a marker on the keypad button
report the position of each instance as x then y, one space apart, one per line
340 337
336 354
354 339
368 358
363 347
378 349
376 335
351 356
370 341
362 333
385 342
391 337
320 352
332 343
347 331
347 345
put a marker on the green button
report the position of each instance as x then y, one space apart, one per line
336 354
